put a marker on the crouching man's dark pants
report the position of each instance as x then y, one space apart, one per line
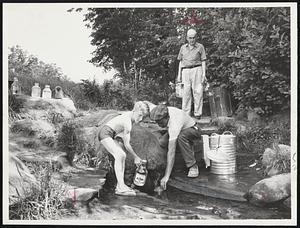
184 143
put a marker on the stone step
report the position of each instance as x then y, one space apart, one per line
203 120
208 130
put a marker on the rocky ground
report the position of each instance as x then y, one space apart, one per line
32 140
173 204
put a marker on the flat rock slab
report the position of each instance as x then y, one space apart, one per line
230 187
93 179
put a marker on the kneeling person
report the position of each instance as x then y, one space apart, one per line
122 124
182 130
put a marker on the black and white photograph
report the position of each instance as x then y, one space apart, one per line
149 113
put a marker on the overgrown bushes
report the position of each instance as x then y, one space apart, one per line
249 52
248 49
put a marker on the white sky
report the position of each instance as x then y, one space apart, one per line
54 35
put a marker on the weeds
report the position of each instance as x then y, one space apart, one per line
279 162
15 103
46 201
257 138
14 106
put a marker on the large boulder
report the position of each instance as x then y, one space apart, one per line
143 141
147 147
270 190
52 110
287 202
21 181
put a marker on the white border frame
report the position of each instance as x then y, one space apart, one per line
294 82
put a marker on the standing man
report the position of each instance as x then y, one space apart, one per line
192 73
182 130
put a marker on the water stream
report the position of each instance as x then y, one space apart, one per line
172 204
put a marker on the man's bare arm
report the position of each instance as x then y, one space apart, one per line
170 163
170 157
128 147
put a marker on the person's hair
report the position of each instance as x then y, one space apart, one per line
191 31
141 106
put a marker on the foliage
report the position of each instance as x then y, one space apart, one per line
141 44
14 104
14 107
29 70
91 91
279 162
68 141
257 138
43 202
248 49
249 53
111 95
116 95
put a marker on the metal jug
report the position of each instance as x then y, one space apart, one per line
225 146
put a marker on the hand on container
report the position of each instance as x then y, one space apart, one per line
137 161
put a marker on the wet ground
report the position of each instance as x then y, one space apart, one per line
229 186
172 204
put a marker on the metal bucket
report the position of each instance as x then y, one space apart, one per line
220 103
227 144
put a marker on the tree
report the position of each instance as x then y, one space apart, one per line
29 70
248 49
139 43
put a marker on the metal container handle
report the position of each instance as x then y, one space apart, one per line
214 134
225 132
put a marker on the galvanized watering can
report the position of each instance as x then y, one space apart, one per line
222 153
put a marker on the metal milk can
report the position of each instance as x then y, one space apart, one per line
226 145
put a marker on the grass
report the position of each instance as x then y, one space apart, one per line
46 201
280 162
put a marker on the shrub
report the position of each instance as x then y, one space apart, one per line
14 107
117 95
259 137
249 52
67 140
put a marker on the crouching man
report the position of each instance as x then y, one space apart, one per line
182 130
